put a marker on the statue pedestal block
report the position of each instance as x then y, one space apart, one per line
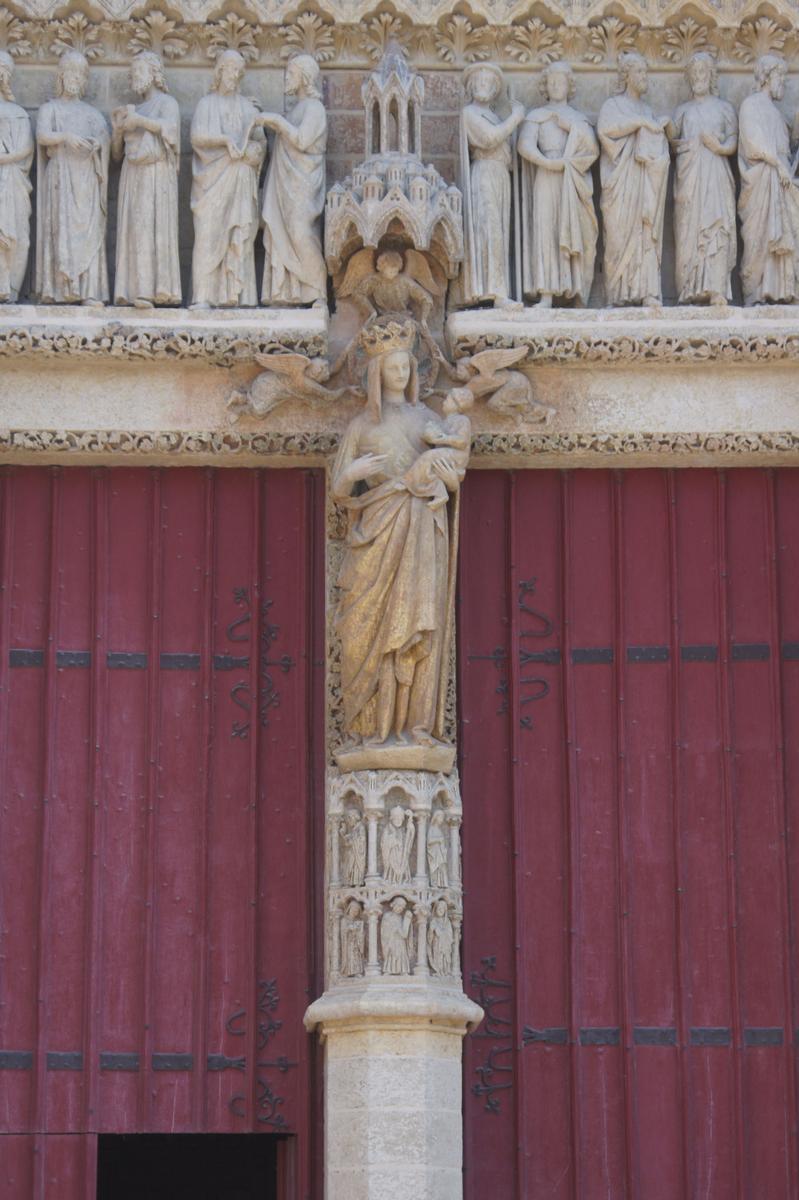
394 756
393 1089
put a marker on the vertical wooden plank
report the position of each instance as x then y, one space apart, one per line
200 1029
123 862
93 929
646 829
540 837
178 872
285 828
16 1165
230 1003
42 867
786 517
27 575
64 893
66 1165
759 831
488 944
590 550
707 931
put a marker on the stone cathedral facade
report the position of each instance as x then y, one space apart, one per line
399 551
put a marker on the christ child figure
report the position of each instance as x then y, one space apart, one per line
455 435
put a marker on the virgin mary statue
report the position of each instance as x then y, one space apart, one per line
396 579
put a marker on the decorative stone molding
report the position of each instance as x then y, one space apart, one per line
173 334
622 336
354 33
515 447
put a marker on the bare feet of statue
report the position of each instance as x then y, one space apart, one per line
545 301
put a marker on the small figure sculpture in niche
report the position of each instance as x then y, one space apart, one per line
395 845
229 147
352 831
440 940
16 156
704 133
456 434
395 938
72 172
486 162
353 940
437 851
147 262
397 576
388 283
634 170
286 377
558 147
768 204
294 196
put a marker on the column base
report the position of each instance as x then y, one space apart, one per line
393 1088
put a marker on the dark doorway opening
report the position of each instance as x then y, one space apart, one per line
217 1166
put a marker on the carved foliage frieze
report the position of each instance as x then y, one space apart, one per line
193 32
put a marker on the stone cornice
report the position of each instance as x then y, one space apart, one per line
164 334
686 336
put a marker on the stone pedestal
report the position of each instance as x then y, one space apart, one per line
393 1122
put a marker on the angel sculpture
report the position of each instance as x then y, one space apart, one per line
287 377
510 392
387 283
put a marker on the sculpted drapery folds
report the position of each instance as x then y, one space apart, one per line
72 172
486 160
704 133
634 170
229 148
147 263
397 576
769 199
16 156
294 196
559 225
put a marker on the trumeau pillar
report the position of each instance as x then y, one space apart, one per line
394 1013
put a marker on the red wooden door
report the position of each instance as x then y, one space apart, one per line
629 686
160 671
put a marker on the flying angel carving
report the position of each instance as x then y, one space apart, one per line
509 392
287 377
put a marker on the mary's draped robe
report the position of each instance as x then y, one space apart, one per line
393 582
224 201
634 170
704 201
294 198
147 266
72 191
559 225
15 198
769 211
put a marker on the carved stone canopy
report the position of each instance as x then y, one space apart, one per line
392 193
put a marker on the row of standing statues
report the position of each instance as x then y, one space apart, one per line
557 147
553 146
74 144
